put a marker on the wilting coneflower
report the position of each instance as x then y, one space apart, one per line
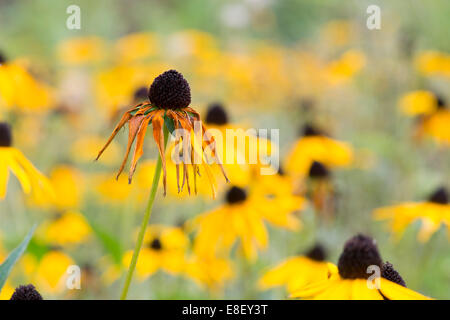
167 110
350 280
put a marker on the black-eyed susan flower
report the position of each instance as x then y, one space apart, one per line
68 228
209 271
49 272
81 50
241 218
20 89
315 146
345 67
351 279
418 102
12 159
136 46
167 109
298 271
26 293
164 249
320 190
432 214
432 63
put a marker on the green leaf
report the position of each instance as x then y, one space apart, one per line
109 243
169 123
7 266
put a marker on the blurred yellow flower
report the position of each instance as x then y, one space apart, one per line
85 149
432 214
112 190
68 185
164 248
32 181
297 272
83 50
209 271
437 126
314 146
241 218
66 229
418 102
51 272
433 63
344 68
136 46
19 89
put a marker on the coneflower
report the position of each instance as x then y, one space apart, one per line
27 292
167 109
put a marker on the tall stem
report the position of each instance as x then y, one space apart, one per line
148 213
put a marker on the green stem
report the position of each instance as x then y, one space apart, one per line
148 212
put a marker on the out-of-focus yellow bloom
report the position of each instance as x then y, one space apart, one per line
19 89
86 148
418 102
83 50
297 272
164 248
69 228
68 185
115 86
51 272
112 190
337 32
432 214
343 69
437 126
6 292
433 63
193 43
240 218
209 271
350 280
32 181
310 148
137 46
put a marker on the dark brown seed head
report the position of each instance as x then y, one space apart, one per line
440 196
317 253
156 244
27 292
170 90
140 94
216 114
2 58
309 130
5 135
235 195
318 170
388 272
359 253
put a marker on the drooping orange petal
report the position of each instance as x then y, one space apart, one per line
158 135
133 127
127 116
138 150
